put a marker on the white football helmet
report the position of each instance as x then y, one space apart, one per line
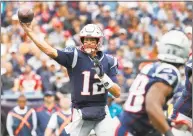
173 47
94 31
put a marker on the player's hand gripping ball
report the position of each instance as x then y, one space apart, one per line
25 15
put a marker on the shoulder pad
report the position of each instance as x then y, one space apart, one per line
146 68
189 64
112 61
69 49
168 73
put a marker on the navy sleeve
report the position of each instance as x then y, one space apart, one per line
114 79
113 65
65 57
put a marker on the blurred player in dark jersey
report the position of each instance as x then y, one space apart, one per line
183 107
92 75
153 86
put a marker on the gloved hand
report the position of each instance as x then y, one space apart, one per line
98 67
181 125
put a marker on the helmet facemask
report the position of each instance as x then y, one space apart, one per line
90 45
91 37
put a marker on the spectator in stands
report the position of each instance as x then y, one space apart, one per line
6 41
22 120
59 81
43 65
47 76
112 47
29 81
15 31
188 21
68 40
76 26
134 30
45 111
61 118
162 13
20 64
122 39
137 58
177 25
14 52
45 14
7 15
25 48
146 45
56 38
114 109
153 28
128 70
105 16
83 14
129 50
120 57
8 78
36 58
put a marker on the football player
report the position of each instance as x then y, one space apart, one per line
183 107
92 75
153 86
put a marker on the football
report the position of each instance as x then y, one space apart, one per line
25 15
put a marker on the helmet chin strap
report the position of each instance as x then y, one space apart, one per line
91 52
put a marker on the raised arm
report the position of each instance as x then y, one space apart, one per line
41 44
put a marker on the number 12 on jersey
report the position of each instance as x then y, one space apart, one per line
86 84
136 96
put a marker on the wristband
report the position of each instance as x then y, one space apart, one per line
106 81
169 133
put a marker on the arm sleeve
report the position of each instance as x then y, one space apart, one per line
53 122
34 121
9 125
66 56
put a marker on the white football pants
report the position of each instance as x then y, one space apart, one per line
80 127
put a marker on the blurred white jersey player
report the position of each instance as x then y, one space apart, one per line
183 107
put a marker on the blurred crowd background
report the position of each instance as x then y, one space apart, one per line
131 31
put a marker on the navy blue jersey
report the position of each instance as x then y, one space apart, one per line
87 90
188 73
184 103
135 116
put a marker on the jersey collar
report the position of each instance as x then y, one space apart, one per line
100 56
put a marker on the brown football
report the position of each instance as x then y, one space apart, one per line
25 15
